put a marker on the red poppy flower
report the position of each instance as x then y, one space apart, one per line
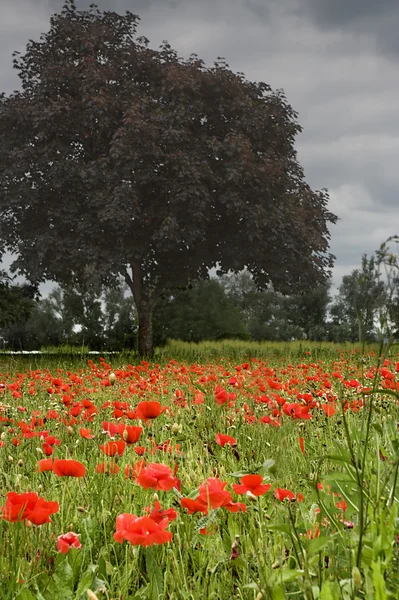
134 471
158 515
45 464
329 410
253 484
235 507
68 468
212 493
302 445
342 505
28 506
129 433
47 449
297 411
52 440
149 410
141 531
157 476
223 440
111 428
221 396
194 506
140 450
281 494
114 447
86 433
199 398
270 421
67 541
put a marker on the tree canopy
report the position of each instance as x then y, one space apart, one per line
117 159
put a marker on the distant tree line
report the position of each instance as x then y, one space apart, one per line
229 306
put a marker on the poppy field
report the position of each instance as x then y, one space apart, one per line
266 477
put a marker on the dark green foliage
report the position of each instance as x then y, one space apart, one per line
271 316
201 313
16 301
42 328
117 159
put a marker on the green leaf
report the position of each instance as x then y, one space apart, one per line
86 581
280 527
344 458
206 520
239 562
346 586
155 574
277 593
286 575
377 427
251 586
269 466
317 544
63 580
46 584
26 595
378 581
316 592
178 494
340 476
326 592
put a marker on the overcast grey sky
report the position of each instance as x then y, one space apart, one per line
337 61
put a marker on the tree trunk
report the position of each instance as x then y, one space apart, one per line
144 304
145 346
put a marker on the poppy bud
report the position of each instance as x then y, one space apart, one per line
3 436
356 578
112 378
156 497
259 596
10 459
125 434
91 595
70 430
251 496
20 462
175 428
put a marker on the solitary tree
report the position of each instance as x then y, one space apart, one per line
116 159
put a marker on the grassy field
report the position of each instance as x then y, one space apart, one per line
232 470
